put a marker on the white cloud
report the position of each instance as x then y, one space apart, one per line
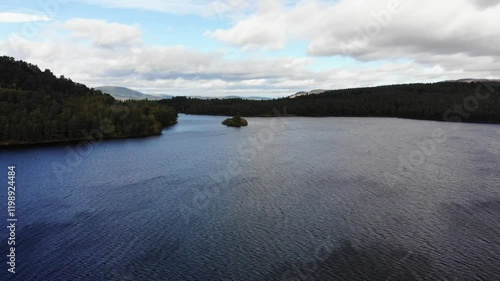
180 70
156 69
247 33
424 42
104 34
371 30
22 17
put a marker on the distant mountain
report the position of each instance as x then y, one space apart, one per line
313 92
228 97
472 80
247 98
122 93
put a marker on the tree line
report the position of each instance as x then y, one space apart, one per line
444 101
38 107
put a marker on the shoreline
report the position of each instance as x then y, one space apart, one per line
20 145
392 117
7 145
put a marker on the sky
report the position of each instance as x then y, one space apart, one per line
268 48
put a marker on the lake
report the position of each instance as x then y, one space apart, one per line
281 199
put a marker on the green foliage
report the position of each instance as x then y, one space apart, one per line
237 118
236 121
37 107
413 101
229 122
244 122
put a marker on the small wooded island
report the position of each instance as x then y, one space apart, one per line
236 121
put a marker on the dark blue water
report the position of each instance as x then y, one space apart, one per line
283 199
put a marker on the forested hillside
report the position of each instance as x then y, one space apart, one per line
38 107
445 101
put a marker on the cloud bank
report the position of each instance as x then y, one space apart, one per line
386 41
